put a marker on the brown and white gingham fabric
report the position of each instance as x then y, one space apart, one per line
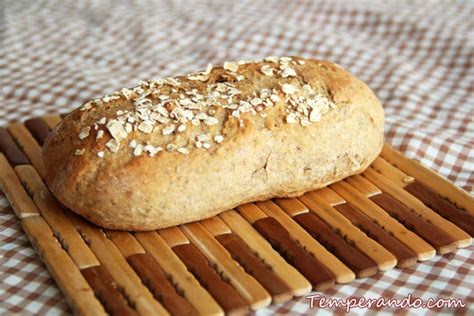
416 55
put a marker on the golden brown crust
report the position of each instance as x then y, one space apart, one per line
260 157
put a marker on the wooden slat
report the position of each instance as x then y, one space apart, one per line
111 259
423 250
433 200
10 149
52 212
319 276
442 242
264 274
29 178
439 184
405 256
125 242
52 120
68 277
222 291
298 284
247 286
251 212
241 253
11 186
155 279
356 260
363 186
382 257
173 236
292 206
105 289
28 145
63 228
331 197
390 171
419 208
38 128
215 226
150 273
175 268
342 273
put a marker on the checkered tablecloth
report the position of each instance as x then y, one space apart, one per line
416 56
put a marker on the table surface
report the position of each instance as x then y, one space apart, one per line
416 56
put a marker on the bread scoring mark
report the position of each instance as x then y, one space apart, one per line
261 172
169 106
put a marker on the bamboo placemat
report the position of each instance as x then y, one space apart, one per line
394 214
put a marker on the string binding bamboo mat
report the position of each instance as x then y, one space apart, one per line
394 214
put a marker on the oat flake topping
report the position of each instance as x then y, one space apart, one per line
170 107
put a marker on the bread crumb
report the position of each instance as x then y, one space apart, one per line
288 72
267 70
86 106
272 59
145 127
181 128
132 144
163 111
152 150
231 66
315 116
79 152
128 128
210 120
84 133
185 102
171 147
256 101
274 98
138 150
183 150
218 138
203 137
116 129
208 69
113 145
288 88
243 62
168 129
201 116
291 118
127 93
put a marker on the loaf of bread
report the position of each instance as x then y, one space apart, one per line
176 150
